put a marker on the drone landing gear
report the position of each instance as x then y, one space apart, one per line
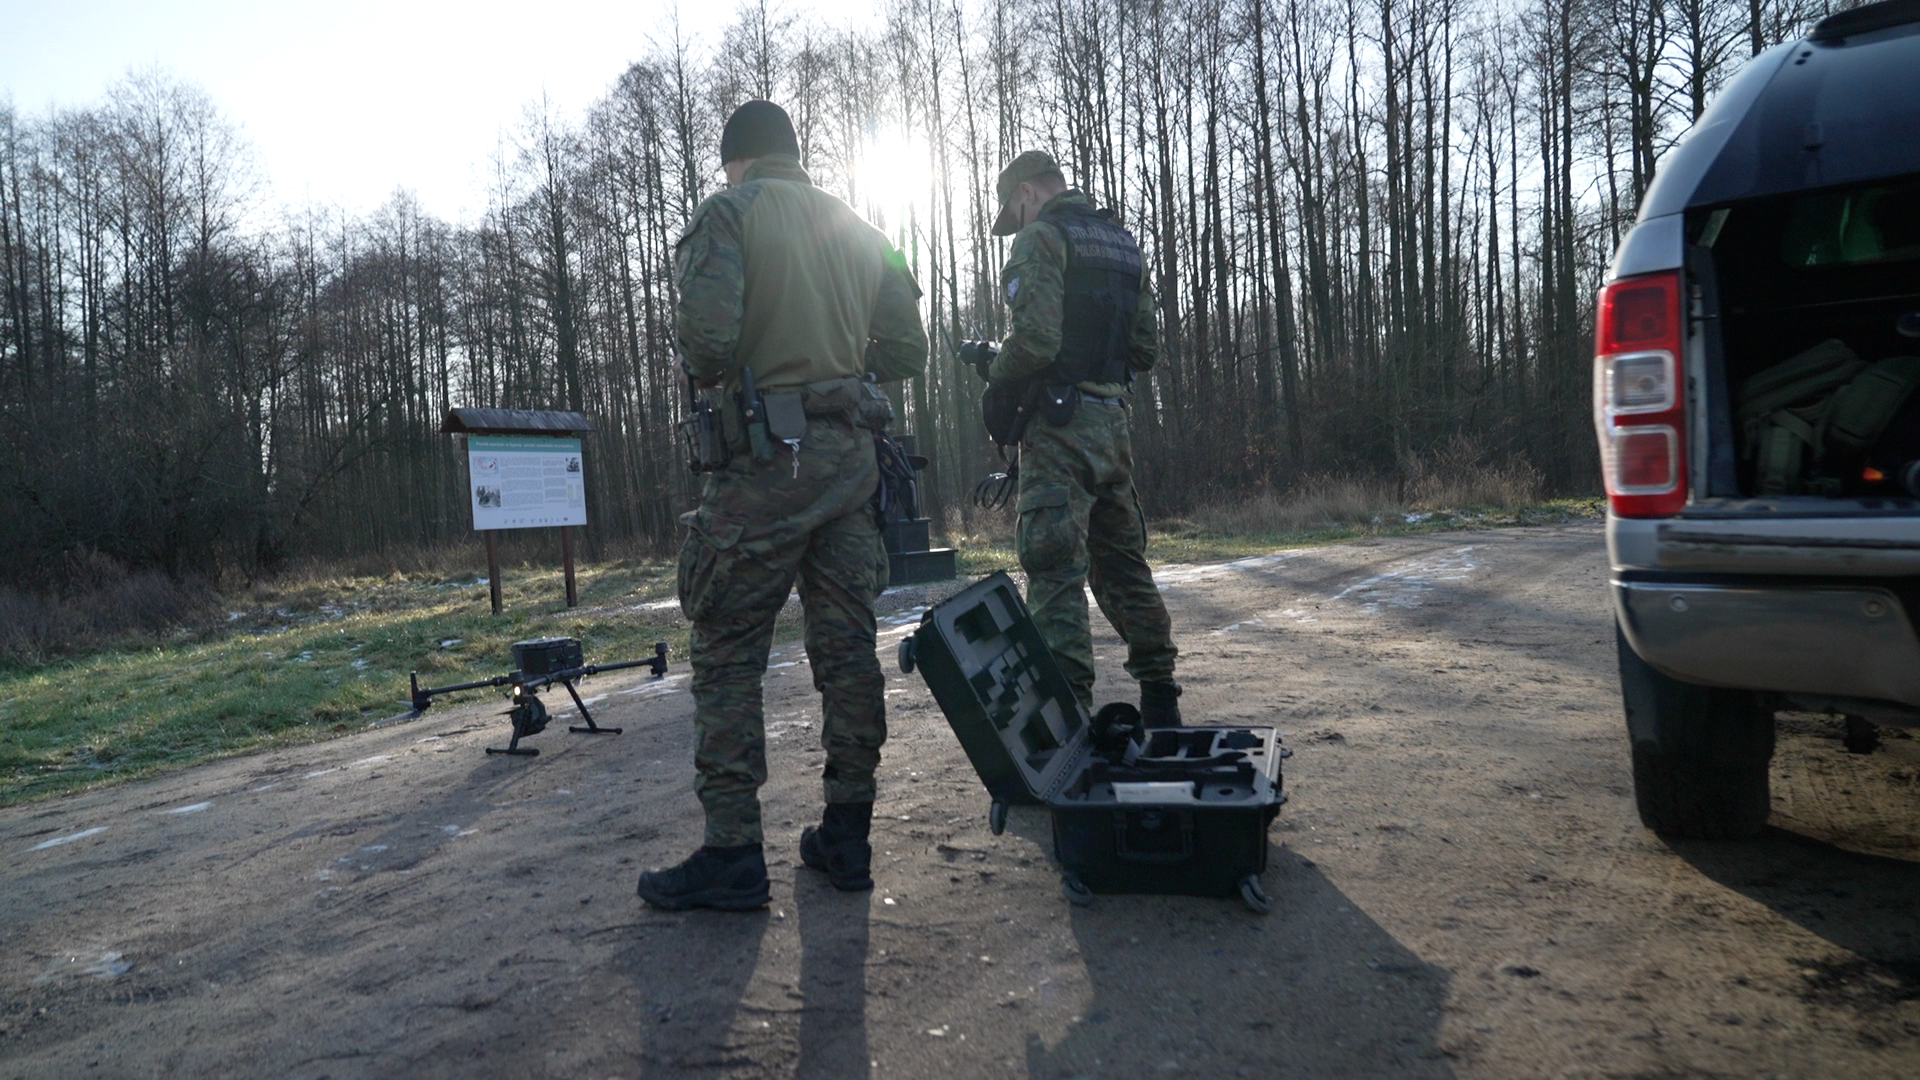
529 717
591 728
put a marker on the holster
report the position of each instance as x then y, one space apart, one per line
703 437
1007 408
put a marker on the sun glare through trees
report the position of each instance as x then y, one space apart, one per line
892 180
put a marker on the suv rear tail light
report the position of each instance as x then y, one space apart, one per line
1639 411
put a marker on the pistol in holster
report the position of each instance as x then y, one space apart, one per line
703 435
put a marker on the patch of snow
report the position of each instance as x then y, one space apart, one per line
653 687
1175 574
58 840
1409 584
911 616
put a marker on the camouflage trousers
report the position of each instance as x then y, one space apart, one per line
1080 524
760 528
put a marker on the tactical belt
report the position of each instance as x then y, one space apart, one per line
1098 400
831 397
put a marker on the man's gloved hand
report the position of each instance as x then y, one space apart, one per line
977 355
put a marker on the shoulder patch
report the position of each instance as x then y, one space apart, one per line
1013 288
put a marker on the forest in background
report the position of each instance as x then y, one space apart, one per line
1374 228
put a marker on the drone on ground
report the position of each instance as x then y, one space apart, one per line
538 664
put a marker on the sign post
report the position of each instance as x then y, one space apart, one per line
524 471
566 563
493 571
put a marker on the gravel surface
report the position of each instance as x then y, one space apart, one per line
1461 886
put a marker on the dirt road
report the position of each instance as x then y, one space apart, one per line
1461 886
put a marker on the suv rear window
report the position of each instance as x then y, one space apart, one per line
1843 228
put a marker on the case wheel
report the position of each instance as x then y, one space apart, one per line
997 817
1253 895
906 654
1075 891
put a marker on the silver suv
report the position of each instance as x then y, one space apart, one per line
1754 396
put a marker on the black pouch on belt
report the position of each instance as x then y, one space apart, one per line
786 415
1057 404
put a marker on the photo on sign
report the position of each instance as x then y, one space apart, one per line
486 496
573 464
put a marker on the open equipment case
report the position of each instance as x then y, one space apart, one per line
1162 810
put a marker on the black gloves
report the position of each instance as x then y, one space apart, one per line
977 355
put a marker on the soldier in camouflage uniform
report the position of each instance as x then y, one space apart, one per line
1083 321
782 279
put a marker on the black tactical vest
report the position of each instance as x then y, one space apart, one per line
1102 294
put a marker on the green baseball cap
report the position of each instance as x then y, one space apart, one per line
1028 165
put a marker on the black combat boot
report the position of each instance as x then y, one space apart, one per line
1160 704
724 878
839 846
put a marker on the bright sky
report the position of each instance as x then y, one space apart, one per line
346 100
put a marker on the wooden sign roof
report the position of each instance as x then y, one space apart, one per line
515 422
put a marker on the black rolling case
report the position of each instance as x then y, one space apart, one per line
1169 810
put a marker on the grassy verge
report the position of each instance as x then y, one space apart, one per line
331 654
322 659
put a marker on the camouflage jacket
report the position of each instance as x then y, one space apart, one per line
1034 284
781 277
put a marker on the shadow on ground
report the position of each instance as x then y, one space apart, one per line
1316 988
833 979
1861 904
690 973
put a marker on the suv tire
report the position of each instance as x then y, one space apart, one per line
1700 753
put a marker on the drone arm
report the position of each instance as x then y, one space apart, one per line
423 697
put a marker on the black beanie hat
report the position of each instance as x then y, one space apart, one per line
756 129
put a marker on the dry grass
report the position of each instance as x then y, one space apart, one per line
462 558
1461 476
1456 479
94 602
1322 503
